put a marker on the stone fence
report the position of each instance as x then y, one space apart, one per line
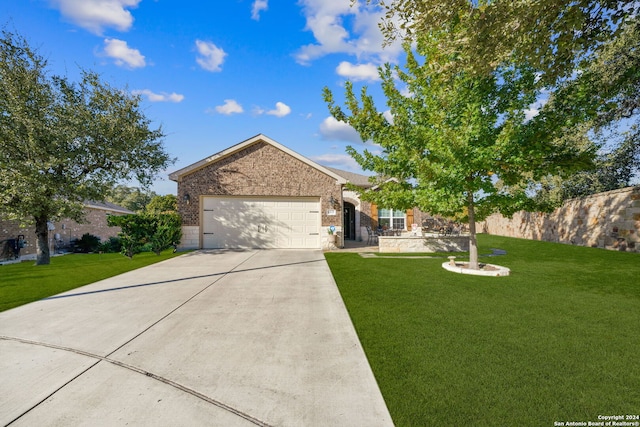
608 220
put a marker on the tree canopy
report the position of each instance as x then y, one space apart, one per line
457 141
551 35
461 136
586 55
133 198
163 204
64 143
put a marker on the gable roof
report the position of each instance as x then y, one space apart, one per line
177 175
353 178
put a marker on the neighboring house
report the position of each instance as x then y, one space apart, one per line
261 194
63 232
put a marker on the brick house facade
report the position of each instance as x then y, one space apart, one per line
219 198
62 232
254 170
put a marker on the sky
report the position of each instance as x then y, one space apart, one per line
215 73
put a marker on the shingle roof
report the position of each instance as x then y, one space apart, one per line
352 177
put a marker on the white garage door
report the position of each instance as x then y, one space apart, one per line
232 222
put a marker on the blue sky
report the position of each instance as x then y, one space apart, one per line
216 73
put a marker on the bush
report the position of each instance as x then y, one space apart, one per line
167 232
88 243
112 245
147 232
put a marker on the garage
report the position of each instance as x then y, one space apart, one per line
260 222
258 194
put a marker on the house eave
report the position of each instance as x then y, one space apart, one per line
179 174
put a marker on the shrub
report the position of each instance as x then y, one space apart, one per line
147 232
167 232
88 243
111 245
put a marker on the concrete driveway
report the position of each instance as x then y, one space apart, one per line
209 338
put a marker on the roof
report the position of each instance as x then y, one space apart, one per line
177 175
107 206
353 178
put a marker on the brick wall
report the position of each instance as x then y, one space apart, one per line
257 170
608 220
68 230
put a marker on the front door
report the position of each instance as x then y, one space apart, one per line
349 221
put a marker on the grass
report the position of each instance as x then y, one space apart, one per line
557 341
24 282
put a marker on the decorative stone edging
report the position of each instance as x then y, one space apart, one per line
462 268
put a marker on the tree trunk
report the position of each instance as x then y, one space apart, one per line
473 243
42 241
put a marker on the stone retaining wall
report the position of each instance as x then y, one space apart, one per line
435 243
609 220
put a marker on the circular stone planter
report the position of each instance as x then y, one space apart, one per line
485 269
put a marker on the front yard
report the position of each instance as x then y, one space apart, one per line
24 283
557 341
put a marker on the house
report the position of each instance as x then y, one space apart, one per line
61 233
261 194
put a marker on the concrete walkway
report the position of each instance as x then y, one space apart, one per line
209 338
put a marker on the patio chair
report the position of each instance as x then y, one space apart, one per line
372 236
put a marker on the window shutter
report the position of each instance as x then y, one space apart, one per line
374 216
409 219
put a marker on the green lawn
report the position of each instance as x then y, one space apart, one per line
24 282
558 340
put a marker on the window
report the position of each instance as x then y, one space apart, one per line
391 218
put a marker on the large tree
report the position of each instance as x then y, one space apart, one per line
589 50
133 198
551 35
64 143
162 204
614 169
457 141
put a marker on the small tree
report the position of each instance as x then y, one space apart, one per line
134 234
62 144
166 233
459 143
161 231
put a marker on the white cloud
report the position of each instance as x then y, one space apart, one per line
530 113
340 28
340 161
229 107
160 97
534 109
358 72
333 130
406 92
123 54
387 115
96 15
211 56
281 110
258 6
